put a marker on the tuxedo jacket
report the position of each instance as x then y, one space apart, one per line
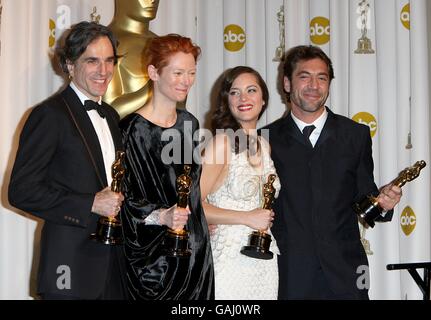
54 178
315 226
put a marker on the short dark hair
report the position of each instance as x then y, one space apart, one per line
78 37
305 53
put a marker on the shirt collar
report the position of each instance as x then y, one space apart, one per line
318 123
82 97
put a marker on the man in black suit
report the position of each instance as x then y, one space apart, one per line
63 168
322 173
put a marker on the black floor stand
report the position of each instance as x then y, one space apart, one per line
423 284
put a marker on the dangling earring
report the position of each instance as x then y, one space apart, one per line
70 77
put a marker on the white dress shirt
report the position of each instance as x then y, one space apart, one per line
103 134
318 123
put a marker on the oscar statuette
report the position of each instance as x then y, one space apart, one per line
279 51
176 242
364 43
259 241
94 16
109 228
368 209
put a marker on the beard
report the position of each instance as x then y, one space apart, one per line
305 105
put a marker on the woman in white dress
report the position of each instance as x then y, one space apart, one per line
236 165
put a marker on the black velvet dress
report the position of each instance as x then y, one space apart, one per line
155 156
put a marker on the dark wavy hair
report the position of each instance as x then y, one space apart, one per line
78 37
304 53
222 116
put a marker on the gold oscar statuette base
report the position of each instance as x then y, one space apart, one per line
176 243
108 231
258 246
364 46
368 210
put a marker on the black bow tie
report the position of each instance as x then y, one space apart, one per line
91 105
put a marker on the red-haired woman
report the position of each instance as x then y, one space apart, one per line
158 140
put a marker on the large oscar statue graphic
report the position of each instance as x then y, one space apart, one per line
176 242
259 241
109 228
130 87
368 209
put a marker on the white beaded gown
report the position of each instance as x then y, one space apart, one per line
239 277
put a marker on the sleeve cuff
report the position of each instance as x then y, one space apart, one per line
153 218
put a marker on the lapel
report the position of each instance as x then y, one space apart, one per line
113 127
88 133
291 129
329 129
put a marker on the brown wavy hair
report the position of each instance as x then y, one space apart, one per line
222 116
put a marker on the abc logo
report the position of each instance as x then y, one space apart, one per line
51 40
233 37
405 16
408 220
367 119
319 30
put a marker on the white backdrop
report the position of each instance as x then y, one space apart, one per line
388 90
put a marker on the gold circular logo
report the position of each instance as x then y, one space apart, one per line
319 30
405 16
51 40
233 37
408 220
367 119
